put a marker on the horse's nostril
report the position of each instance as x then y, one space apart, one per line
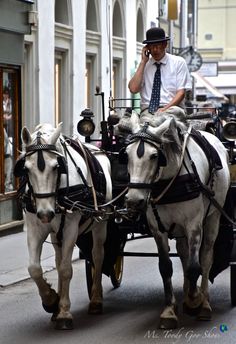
45 216
135 203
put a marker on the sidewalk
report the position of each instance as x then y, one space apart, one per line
14 258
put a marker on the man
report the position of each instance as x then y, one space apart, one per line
174 78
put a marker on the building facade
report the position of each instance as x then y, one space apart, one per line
216 43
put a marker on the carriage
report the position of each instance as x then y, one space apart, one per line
220 121
64 207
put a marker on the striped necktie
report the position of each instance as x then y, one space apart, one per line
156 88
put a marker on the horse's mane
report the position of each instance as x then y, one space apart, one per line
174 112
172 137
46 130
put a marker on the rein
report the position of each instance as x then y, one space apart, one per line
186 136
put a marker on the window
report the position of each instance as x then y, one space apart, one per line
9 127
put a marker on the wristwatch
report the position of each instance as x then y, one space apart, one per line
193 60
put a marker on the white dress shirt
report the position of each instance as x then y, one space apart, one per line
174 76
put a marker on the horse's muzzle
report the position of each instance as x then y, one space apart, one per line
45 216
135 205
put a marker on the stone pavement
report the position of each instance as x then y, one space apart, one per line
14 258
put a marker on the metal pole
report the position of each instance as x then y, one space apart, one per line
110 44
195 17
194 37
171 36
184 23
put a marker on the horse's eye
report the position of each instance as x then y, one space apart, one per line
153 156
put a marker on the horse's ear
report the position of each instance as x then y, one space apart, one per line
161 131
26 136
56 134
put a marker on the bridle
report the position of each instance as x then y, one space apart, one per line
21 171
144 136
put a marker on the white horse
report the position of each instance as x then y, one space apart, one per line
51 168
163 156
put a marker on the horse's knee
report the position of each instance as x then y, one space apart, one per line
35 271
65 271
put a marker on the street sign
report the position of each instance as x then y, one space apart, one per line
209 69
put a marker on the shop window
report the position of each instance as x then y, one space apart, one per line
9 127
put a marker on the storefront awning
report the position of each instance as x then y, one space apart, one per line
204 82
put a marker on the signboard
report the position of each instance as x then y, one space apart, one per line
209 69
168 9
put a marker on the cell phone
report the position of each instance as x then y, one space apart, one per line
147 53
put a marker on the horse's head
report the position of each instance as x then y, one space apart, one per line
151 143
42 163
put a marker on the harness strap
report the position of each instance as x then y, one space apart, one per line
91 179
209 193
155 200
77 168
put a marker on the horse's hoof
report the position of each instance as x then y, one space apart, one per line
204 314
168 323
192 311
64 324
95 308
53 308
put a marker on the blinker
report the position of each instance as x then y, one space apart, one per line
123 157
19 169
161 158
62 165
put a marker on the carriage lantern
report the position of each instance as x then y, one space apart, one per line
86 126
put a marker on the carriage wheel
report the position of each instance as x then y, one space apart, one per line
89 270
117 272
233 284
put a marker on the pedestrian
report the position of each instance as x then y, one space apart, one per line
161 78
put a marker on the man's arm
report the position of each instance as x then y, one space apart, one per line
136 81
175 101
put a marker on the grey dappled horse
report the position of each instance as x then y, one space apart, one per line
162 152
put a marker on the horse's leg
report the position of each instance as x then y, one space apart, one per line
168 317
58 257
64 319
99 237
35 239
194 297
210 233
182 250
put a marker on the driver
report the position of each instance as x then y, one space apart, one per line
174 75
